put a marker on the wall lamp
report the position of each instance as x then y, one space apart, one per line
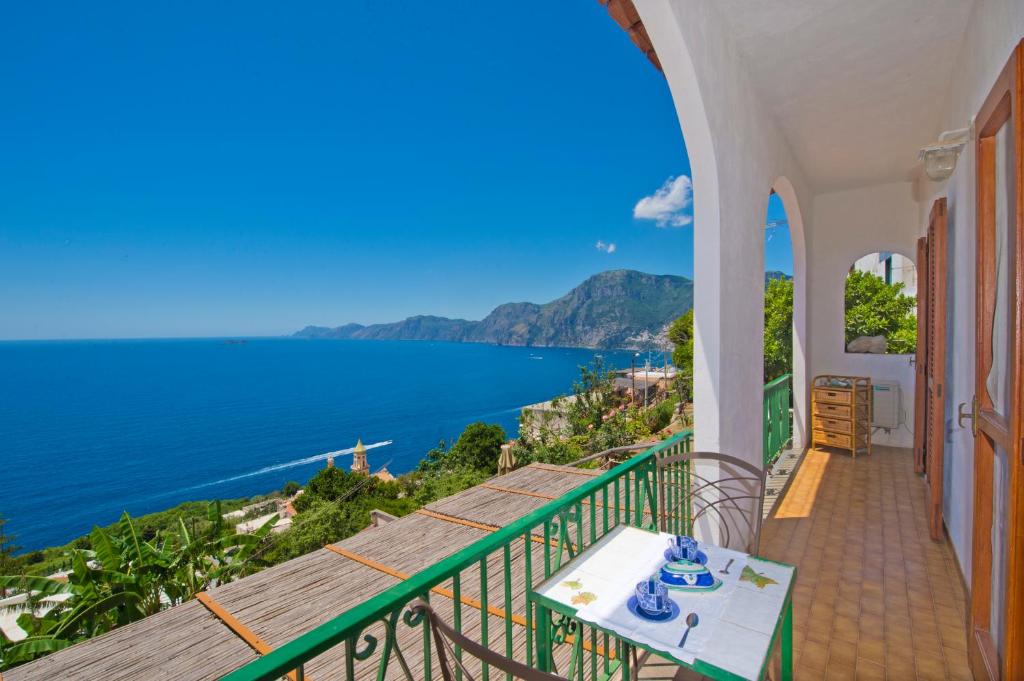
940 157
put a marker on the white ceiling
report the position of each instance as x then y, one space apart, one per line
857 86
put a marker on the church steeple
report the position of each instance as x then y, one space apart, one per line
359 462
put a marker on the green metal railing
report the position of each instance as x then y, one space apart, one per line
380 638
777 422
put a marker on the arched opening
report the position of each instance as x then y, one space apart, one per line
783 191
880 305
778 330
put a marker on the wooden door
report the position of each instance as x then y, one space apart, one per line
921 358
935 364
996 619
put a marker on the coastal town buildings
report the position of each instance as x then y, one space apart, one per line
910 561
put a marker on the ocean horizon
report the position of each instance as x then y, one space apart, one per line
94 427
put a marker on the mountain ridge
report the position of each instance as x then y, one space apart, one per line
612 309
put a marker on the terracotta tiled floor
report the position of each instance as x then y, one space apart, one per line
875 598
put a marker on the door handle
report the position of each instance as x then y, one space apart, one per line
973 416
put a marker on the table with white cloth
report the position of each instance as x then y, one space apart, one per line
739 622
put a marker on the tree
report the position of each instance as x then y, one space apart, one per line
334 484
478 447
8 563
875 308
290 488
593 398
681 335
778 328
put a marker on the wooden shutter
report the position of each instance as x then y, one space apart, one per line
935 364
921 358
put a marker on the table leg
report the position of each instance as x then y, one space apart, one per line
787 642
543 638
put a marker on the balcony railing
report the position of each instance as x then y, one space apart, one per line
481 589
777 425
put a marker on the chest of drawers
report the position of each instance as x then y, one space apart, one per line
841 413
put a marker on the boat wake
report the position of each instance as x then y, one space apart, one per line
287 464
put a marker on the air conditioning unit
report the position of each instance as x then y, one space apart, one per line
886 406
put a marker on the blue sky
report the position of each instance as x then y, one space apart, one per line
191 169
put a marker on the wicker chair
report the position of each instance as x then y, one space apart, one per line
445 638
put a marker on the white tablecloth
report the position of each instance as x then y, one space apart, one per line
736 620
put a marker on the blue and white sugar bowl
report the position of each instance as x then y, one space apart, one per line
683 548
687 575
652 597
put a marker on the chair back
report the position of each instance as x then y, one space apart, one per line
734 499
446 639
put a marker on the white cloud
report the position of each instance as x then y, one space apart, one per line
607 248
670 206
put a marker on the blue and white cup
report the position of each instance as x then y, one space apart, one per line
652 596
683 548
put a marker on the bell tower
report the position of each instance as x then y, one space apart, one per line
359 462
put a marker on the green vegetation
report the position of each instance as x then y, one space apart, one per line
874 308
476 449
778 328
595 418
336 504
660 415
681 335
8 563
778 336
123 577
194 514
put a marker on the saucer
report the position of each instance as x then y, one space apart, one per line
634 607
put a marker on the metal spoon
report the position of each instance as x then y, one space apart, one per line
726 570
691 621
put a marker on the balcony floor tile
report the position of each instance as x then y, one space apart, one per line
885 601
875 597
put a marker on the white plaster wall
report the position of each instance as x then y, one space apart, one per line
737 153
848 225
993 30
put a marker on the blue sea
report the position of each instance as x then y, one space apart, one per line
89 429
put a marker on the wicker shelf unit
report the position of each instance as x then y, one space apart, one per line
841 412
